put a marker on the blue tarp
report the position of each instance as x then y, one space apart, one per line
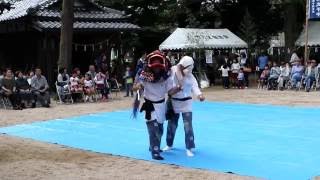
272 142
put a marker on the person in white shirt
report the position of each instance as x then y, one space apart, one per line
243 59
225 76
156 82
88 88
100 81
294 57
241 79
284 75
75 85
235 68
182 103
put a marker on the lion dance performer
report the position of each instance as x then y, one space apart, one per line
156 83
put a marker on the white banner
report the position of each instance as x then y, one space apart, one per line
209 59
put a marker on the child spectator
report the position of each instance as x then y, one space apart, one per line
92 72
128 78
75 85
235 67
101 85
240 79
225 76
63 80
88 88
30 75
274 76
264 76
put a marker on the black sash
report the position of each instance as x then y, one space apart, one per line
148 107
182 99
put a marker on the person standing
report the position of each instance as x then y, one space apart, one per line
243 59
235 68
128 78
262 62
154 80
182 103
241 79
225 76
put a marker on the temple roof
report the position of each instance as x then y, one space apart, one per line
46 15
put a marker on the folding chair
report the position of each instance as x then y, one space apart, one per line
66 93
4 101
114 87
80 93
263 84
301 84
317 84
313 87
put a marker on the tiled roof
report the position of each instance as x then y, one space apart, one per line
82 15
87 25
21 8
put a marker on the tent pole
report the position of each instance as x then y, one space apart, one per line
306 34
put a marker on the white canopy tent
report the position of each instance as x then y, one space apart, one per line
187 38
313 37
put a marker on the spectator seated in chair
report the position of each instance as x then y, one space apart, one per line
75 84
24 91
88 88
310 74
63 82
296 74
264 76
274 76
8 86
40 88
284 75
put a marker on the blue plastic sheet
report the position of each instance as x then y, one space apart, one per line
272 142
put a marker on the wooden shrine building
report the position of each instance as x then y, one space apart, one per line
30 33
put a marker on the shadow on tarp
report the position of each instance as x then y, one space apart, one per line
272 142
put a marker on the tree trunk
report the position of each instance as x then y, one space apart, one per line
292 23
66 35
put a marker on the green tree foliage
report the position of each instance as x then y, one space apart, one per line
248 30
161 17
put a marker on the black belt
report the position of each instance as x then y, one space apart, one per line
148 107
182 99
155 102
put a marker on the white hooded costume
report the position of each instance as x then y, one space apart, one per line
182 101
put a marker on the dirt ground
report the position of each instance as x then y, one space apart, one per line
29 160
